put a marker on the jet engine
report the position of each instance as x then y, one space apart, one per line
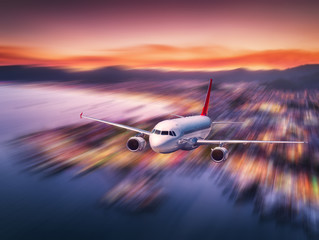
219 154
136 144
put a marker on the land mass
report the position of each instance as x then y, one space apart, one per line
301 77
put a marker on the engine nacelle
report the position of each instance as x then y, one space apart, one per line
219 154
136 144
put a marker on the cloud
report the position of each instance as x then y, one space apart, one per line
165 57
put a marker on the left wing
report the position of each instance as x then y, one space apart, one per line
208 142
117 125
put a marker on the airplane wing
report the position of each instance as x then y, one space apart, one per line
208 142
117 125
227 122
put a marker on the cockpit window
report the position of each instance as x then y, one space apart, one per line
171 133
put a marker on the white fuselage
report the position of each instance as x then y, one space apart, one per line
179 133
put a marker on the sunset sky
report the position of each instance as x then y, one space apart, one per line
182 35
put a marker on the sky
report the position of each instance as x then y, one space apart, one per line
182 35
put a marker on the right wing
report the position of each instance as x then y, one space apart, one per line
117 125
208 142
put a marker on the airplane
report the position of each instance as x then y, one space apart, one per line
183 133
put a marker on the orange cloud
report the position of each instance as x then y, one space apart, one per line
163 56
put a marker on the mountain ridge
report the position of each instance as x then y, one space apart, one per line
304 76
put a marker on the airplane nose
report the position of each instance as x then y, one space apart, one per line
156 143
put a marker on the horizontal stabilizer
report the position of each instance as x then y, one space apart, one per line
175 115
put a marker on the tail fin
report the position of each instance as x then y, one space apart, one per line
205 108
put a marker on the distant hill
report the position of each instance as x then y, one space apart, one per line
33 74
300 77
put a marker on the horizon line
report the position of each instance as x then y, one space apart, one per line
161 69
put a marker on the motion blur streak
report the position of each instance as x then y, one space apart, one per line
281 180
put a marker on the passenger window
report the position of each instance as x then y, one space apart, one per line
157 132
164 132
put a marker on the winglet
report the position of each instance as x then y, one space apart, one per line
81 114
205 108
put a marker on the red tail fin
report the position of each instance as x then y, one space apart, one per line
205 108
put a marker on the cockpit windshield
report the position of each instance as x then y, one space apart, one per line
172 133
158 132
